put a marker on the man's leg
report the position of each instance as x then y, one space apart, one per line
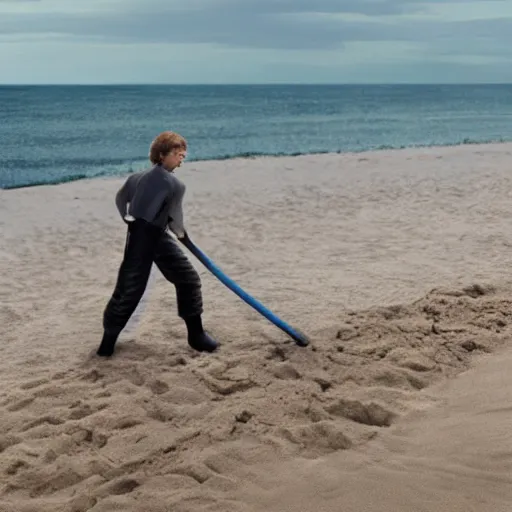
178 270
132 279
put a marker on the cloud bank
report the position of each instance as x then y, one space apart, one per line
294 32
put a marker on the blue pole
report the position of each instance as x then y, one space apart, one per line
300 339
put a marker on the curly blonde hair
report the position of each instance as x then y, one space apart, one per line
164 144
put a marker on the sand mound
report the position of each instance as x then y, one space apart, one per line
166 429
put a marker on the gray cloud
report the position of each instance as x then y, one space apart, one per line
271 7
270 24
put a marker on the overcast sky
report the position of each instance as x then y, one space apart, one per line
255 41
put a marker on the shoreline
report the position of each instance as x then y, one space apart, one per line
255 156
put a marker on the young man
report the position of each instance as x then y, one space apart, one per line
149 202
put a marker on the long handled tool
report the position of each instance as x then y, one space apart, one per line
300 339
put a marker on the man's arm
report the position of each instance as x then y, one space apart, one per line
123 197
176 223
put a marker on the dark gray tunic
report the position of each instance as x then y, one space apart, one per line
156 196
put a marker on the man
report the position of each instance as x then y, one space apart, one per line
150 201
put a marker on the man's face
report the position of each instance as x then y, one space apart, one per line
174 158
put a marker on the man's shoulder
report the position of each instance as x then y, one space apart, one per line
158 175
172 178
134 177
172 181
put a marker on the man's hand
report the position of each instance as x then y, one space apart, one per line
184 237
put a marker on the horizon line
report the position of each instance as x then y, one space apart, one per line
196 84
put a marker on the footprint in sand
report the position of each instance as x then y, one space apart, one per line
136 378
324 383
8 441
321 437
15 466
51 420
227 378
81 411
286 371
103 394
124 423
61 375
82 503
199 472
371 414
225 388
19 405
277 353
158 387
161 412
34 384
120 486
92 376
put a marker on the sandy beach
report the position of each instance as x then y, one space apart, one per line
397 264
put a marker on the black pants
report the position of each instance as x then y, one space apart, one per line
146 244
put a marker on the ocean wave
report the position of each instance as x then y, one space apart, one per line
98 168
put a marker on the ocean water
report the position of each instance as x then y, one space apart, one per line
52 134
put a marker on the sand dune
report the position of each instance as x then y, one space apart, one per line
454 456
395 263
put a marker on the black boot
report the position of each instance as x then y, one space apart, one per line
198 339
106 348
